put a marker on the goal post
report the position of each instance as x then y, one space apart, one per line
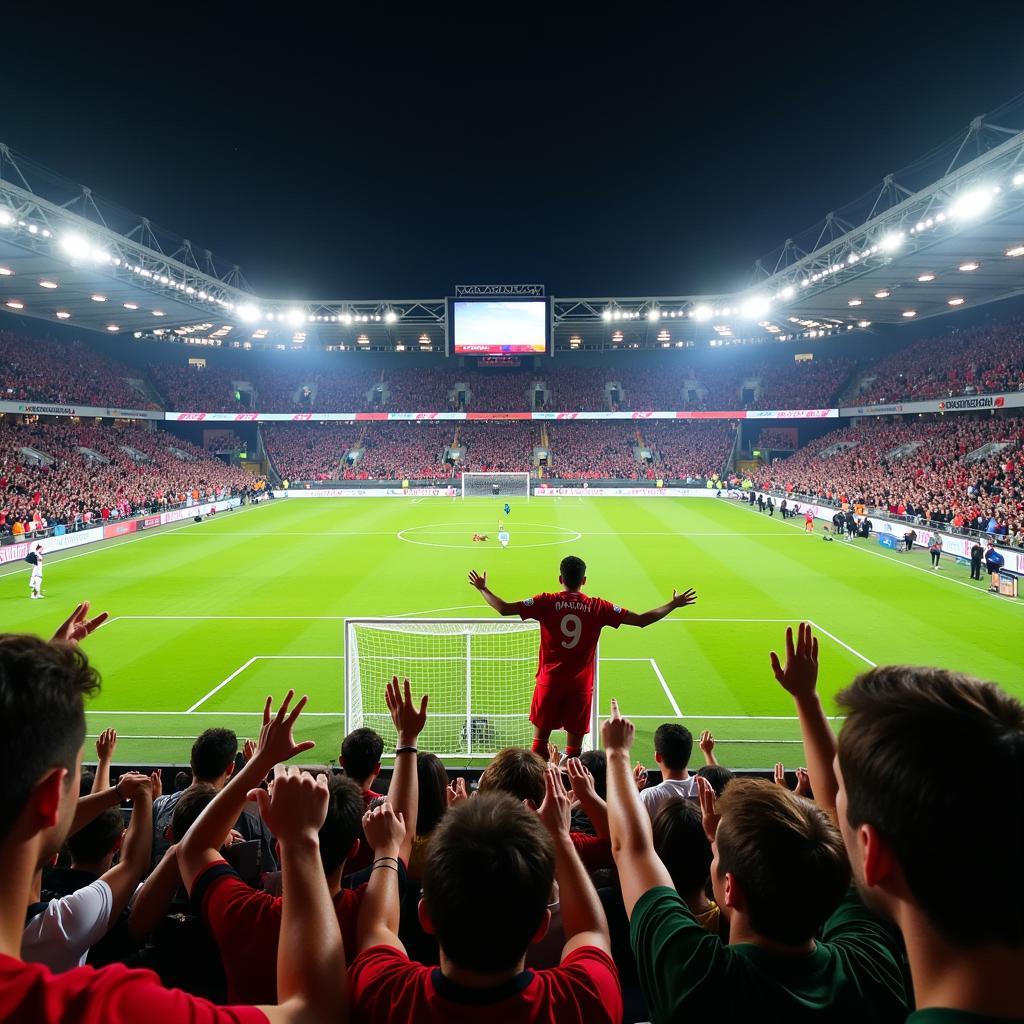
496 485
478 673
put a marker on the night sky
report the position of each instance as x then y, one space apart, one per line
658 149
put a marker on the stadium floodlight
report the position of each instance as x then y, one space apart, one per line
971 204
346 318
48 284
75 246
654 314
754 307
248 313
891 242
294 317
926 277
606 315
863 323
6 272
1015 250
788 292
6 218
390 316
702 312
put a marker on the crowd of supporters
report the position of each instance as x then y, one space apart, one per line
40 370
689 450
309 451
187 388
499 447
577 890
79 487
778 438
977 360
400 451
592 449
929 470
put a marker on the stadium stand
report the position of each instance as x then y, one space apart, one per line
107 481
689 450
308 451
398 451
501 447
589 450
931 471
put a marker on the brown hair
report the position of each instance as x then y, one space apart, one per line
904 727
517 772
487 881
680 842
787 856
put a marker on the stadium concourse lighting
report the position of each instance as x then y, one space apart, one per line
703 312
63 315
48 284
113 327
1016 250
926 277
971 204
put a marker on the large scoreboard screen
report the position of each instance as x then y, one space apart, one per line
508 326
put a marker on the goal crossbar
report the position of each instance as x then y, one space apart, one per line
478 673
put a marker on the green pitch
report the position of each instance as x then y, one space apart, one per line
208 619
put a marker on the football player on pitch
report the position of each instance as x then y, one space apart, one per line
570 624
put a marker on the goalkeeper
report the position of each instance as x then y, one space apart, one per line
570 624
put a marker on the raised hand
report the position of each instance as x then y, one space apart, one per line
640 775
554 757
295 805
383 828
581 779
803 782
106 744
276 743
476 580
457 792
134 786
780 775
707 742
682 600
555 810
408 721
708 814
800 675
77 626
617 732
157 784
248 749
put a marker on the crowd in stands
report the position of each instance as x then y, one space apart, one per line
927 470
777 438
197 389
974 361
418 389
498 447
40 370
573 890
690 450
400 451
592 449
78 488
309 451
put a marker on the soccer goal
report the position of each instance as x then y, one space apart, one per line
496 485
479 674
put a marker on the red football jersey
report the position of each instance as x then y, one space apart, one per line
570 624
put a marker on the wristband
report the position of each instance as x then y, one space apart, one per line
380 859
406 750
391 867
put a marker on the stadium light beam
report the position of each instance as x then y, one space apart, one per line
891 242
971 204
754 307
702 313
75 246
248 313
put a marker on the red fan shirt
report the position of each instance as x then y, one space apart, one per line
31 994
570 625
390 988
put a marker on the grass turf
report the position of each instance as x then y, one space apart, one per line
255 600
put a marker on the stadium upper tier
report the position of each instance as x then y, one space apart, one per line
976 360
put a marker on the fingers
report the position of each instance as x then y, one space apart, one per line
777 667
297 710
283 709
93 624
615 716
266 709
790 649
303 747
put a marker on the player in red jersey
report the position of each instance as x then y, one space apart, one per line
808 521
570 624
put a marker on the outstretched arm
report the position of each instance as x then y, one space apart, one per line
403 793
640 867
500 606
657 614
381 907
800 678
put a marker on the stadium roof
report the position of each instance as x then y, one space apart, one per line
945 233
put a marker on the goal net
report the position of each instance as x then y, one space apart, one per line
496 485
479 674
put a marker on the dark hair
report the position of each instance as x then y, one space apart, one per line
487 881
344 822
188 807
42 721
182 781
681 844
213 753
787 856
902 725
675 744
572 569
515 771
718 775
597 764
98 838
433 782
361 751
